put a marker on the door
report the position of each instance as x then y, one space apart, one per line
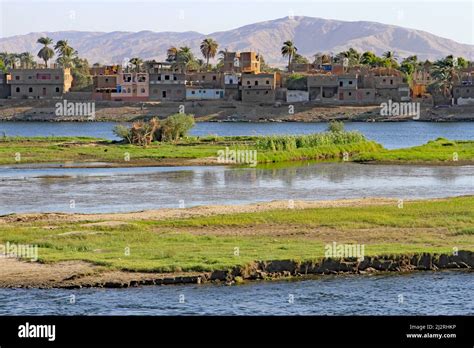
163 94
44 91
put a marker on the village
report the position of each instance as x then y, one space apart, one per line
347 79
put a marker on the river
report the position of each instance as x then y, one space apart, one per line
422 293
99 190
389 134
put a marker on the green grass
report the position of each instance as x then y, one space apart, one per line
77 149
208 243
440 150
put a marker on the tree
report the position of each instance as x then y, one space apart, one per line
299 59
176 126
184 59
368 58
288 50
351 55
462 63
137 63
45 53
445 72
335 127
27 60
209 49
66 54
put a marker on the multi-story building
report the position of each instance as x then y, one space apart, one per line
132 86
232 86
39 83
5 87
322 87
259 87
167 85
243 62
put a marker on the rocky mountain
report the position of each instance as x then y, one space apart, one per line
310 35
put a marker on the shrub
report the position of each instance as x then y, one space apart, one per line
176 126
336 126
123 132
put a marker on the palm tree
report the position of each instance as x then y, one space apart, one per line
46 53
66 54
171 54
27 60
137 62
445 72
208 49
184 58
288 50
390 56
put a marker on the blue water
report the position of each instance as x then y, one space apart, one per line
389 134
98 190
424 293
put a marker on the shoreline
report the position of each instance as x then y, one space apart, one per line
221 111
79 271
79 274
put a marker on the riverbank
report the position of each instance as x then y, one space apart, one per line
44 110
238 243
211 150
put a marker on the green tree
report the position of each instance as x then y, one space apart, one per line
208 49
299 59
137 63
46 52
288 50
176 126
27 60
445 72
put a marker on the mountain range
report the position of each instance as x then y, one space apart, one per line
310 35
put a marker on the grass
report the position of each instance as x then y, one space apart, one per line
208 243
271 149
79 149
440 150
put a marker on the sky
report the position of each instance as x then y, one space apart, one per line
450 19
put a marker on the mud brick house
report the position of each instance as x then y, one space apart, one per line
322 87
167 85
39 83
259 88
132 86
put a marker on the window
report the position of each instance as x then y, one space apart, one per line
384 80
167 77
30 77
193 92
17 77
142 90
159 77
248 82
350 82
217 92
268 82
18 89
56 77
256 83
214 77
340 83
106 80
203 77
231 81
248 92
391 82
174 77
266 92
57 89
350 93
30 89
367 93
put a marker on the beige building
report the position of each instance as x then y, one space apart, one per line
167 85
132 86
39 83
259 87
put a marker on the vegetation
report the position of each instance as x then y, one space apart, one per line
45 53
297 82
208 243
440 150
208 49
288 50
142 133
